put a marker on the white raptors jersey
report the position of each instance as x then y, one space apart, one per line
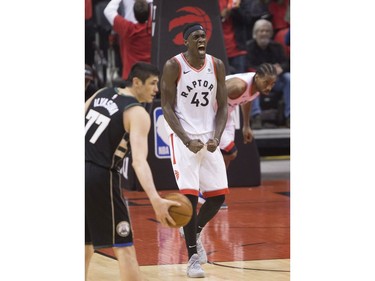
196 96
246 96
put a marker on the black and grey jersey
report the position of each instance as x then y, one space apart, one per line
106 141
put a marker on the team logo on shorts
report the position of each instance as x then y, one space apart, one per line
123 228
177 174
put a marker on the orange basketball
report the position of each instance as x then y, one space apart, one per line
182 214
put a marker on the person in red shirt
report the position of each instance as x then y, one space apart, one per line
279 9
235 19
135 38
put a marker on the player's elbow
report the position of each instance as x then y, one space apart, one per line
138 163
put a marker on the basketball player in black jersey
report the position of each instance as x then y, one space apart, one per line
115 122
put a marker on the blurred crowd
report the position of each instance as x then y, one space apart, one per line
118 33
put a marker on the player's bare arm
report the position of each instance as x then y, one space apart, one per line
235 87
168 97
246 130
221 97
222 107
137 123
168 100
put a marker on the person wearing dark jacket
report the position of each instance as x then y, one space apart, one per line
262 49
236 18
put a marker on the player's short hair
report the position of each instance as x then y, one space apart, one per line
142 70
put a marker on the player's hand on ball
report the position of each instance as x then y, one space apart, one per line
181 214
161 207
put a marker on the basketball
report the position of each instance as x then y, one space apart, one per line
182 214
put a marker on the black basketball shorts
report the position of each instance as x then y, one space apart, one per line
107 219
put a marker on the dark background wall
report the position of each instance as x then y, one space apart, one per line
169 20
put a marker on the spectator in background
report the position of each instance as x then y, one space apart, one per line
127 10
90 87
135 38
89 76
262 49
287 38
89 33
235 17
279 9
258 10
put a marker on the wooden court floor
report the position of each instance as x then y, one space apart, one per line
248 241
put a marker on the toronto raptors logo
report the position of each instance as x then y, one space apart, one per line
177 174
186 15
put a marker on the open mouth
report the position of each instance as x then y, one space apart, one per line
201 48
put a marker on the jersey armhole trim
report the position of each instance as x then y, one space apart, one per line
179 71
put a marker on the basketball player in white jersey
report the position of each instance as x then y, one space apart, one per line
242 89
194 102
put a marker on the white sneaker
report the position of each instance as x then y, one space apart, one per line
194 269
201 251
